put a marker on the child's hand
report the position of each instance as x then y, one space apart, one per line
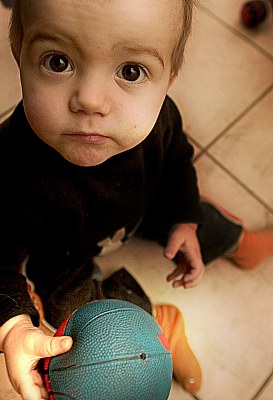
23 345
190 267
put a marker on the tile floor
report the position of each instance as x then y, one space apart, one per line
226 93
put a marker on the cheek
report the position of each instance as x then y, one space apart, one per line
37 114
135 128
41 104
41 110
142 118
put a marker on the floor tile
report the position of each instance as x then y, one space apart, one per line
217 184
267 393
177 393
236 332
219 80
230 12
246 150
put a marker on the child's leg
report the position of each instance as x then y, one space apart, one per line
219 232
79 287
65 291
223 235
185 365
253 248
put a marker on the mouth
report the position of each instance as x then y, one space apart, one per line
89 137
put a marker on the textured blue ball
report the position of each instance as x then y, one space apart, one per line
118 353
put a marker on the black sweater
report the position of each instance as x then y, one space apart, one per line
50 206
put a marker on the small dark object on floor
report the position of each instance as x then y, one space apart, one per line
255 13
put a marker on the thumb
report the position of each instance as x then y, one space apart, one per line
48 346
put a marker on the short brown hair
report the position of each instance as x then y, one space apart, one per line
185 30
16 32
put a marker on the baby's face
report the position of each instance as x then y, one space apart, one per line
95 72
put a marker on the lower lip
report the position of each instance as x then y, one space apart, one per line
90 138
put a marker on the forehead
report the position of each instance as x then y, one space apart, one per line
160 20
169 6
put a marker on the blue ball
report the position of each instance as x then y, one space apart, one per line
119 353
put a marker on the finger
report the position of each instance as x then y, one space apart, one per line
36 377
176 272
193 273
181 283
182 267
191 281
178 283
173 246
38 380
44 393
28 390
191 284
47 346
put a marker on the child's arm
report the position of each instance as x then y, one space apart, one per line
23 345
184 244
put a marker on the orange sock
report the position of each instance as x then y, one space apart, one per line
254 248
186 368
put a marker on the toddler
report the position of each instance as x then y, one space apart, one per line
93 154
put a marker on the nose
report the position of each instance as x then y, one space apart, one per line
91 96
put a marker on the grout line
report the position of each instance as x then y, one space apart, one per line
205 150
236 179
263 386
202 152
196 144
195 397
238 33
239 117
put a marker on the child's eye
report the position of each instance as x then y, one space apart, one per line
132 73
57 63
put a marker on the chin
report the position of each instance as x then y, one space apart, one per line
83 162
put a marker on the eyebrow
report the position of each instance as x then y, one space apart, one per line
43 37
141 50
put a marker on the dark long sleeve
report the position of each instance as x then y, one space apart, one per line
56 213
176 199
